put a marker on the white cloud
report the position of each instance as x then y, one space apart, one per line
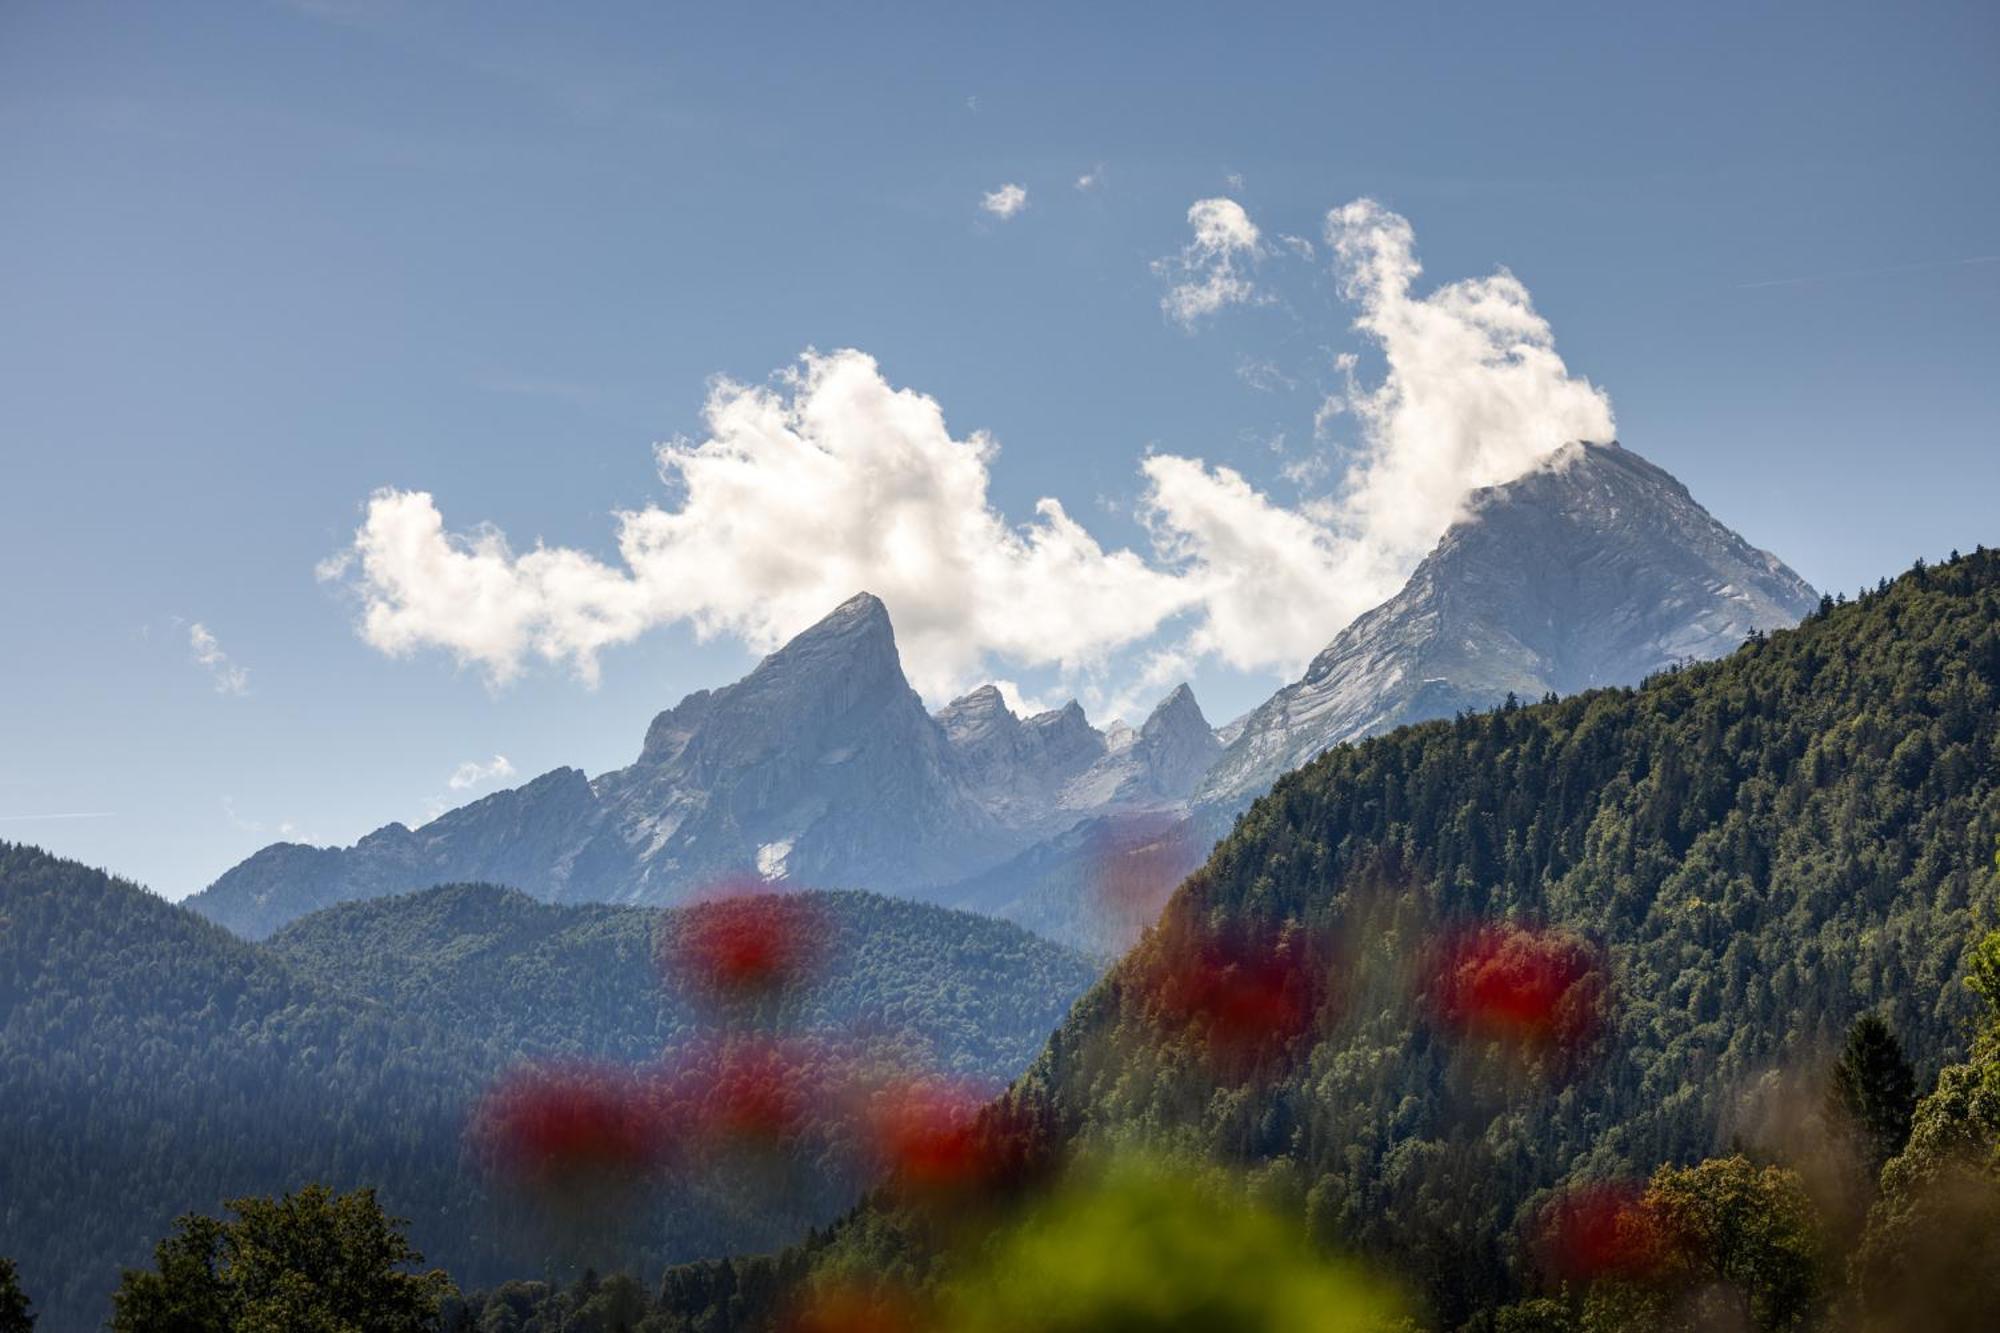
824 482
1210 269
472 773
829 480
1091 179
228 677
1474 394
1006 201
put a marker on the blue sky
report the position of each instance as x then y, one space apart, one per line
259 261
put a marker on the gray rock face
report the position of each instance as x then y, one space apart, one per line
1596 569
821 767
1017 768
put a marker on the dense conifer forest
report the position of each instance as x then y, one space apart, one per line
1746 854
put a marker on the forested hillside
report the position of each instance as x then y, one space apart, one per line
966 994
152 1063
1667 904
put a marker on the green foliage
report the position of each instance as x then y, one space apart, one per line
710 1296
1760 846
1147 1247
16 1311
971 996
1750 1229
1872 1089
1931 1255
311 1262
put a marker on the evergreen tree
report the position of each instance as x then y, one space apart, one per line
16 1316
1873 1090
1931 1255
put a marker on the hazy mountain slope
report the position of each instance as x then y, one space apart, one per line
1596 569
546 837
1757 849
966 993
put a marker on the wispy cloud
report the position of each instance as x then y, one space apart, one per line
1006 201
1091 179
1884 271
472 773
1211 271
1263 376
229 678
288 829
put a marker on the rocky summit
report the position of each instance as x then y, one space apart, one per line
1597 568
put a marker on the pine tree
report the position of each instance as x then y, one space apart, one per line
1873 1089
15 1314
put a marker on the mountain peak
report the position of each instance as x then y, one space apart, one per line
1595 568
862 616
984 701
1176 745
979 719
1178 709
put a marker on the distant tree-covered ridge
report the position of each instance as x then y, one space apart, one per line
152 1064
973 996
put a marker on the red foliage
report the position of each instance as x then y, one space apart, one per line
746 945
1598 1231
925 1132
546 1124
1245 996
755 1092
1537 987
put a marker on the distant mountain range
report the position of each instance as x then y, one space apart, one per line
822 767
